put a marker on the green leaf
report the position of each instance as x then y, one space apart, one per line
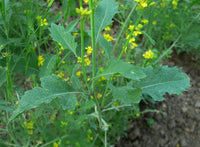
69 102
103 15
53 87
48 65
107 46
60 35
76 82
87 105
3 75
162 79
127 94
127 70
70 27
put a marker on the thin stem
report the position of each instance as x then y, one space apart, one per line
127 41
105 139
123 27
83 49
94 59
93 44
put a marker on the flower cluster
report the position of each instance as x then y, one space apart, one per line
83 12
142 4
29 127
43 22
40 60
108 37
148 54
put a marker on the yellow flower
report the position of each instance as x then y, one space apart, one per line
75 34
154 22
142 4
144 21
86 1
63 124
63 62
40 60
102 52
79 60
131 27
91 97
131 40
61 75
29 125
30 132
102 78
171 25
43 22
71 112
61 47
55 144
89 50
152 4
78 73
125 49
108 37
133 45
83 12
107 28
174 3
1 46
138 115
99 95
148 54
136 33
89 138
140 26
87 61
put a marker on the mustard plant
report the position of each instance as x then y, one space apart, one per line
83 79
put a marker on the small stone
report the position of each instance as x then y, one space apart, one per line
183 142
197 105
184 109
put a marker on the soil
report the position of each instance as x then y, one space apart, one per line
179 125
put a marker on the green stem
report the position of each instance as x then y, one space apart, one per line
83 49
9 85
127 41
105 139
93 44
94 60
122 31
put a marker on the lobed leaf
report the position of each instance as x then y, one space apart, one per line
49 65
127 70
162 79
60 35
127 94
103 15
53 87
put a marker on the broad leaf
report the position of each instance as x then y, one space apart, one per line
162 79
48 66
103 15
70 27
127 94
127 70
53 87
60 35
68 103
107 46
